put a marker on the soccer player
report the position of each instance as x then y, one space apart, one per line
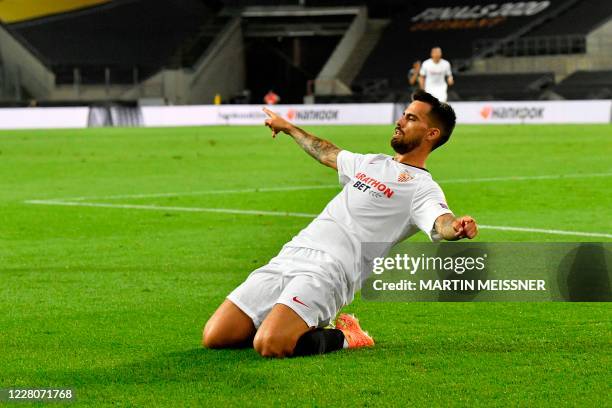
436 75
413 75
283 308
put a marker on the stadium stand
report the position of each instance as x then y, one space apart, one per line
556 27
331 51
420 35
120 39
427 24
502 86
581 18
586 85
563 34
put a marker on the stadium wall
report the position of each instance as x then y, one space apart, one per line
328 81
25 67
222 68
524 112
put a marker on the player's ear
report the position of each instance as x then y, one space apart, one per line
433 134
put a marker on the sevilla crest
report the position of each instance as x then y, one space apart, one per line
404 177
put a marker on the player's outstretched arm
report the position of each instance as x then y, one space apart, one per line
452 228
322 150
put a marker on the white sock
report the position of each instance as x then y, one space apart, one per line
345 345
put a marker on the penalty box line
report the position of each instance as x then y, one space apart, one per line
287 214
324 187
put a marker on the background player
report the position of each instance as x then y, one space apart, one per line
413 76
436 75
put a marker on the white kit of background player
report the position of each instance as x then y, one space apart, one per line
436 75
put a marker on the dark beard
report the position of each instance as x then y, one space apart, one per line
402 147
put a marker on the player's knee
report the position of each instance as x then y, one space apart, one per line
212 337
272 345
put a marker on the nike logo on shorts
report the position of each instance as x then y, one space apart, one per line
296 300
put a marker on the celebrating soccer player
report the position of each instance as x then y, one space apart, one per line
285 307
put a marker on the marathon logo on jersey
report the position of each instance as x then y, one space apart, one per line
324 115
372 186
519 112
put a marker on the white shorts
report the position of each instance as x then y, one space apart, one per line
308 281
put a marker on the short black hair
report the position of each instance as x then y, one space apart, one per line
441 113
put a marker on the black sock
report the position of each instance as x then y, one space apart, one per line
319 341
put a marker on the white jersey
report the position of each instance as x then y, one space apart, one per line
383 201
435 77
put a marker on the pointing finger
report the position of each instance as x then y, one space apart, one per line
269 112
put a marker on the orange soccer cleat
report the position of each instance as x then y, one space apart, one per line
354 335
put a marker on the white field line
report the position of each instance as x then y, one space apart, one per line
324 187
204 192
547 231
290 214
171 208
526 178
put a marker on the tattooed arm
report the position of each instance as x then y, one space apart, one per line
322 150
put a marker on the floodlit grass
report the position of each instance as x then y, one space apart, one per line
111 301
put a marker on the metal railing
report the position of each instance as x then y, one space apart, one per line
534 45
111 79
107 82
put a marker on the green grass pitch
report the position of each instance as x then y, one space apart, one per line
111 300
